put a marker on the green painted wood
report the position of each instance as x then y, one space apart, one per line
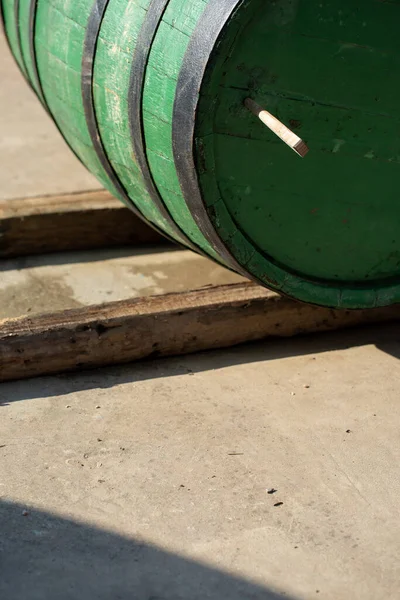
323 229
162 73
60 34
116 45
24 27
11 29
23 15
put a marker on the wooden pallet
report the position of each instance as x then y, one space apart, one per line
71 222
120 332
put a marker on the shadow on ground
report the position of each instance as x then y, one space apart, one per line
44 557
83 256
385 337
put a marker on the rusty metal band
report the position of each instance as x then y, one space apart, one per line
201 45
37 84
140 60
24 70
32 51
89 51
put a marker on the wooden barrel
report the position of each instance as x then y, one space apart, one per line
158 98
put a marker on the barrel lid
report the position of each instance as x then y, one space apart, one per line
323 228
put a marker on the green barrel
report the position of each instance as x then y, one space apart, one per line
154 97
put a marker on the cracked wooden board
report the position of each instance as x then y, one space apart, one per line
69 222
166 325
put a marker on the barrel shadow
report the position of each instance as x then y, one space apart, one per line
83 256
45 557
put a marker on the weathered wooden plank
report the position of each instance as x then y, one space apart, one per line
69 222
172 324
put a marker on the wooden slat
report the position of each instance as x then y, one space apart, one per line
69 222
172 324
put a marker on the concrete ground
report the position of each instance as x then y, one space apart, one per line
40 284
262 472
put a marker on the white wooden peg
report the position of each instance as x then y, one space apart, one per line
283 132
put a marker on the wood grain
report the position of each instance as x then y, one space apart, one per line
69 222
166 325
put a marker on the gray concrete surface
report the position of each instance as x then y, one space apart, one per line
40 284
150 482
